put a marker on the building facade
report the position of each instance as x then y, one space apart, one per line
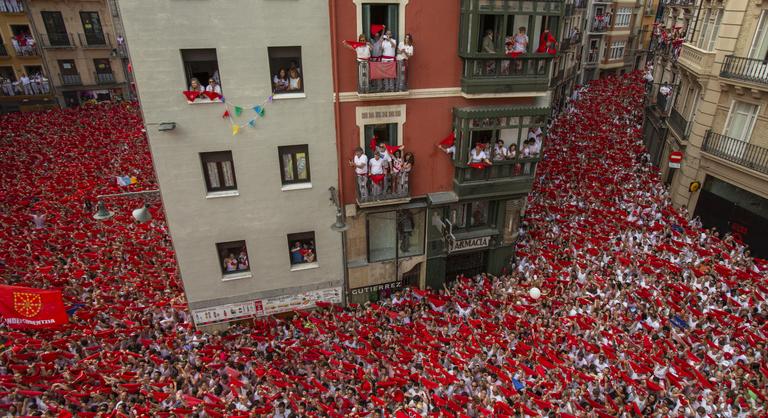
613 40
568 65
451 213
24 81
716 117
244 171
85 56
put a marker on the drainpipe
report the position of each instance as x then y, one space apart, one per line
337 124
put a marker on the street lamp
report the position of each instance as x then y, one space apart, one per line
140 214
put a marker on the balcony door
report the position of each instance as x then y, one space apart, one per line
103 71
54 26
381 132
741 121
381 14
759 49
94 34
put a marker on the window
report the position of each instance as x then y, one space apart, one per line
202 66
710 29
285 69
381 14
94 34
504 28
380 133
219 171
759 49
617 49
395 234
294 164
7 73
741 120
301 248
469 215
69 74
22 40
623 17
55 28
233 257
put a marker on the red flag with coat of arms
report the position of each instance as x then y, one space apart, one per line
28 308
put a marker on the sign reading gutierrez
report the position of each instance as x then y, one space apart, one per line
468 244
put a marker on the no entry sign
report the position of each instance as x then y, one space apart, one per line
675 157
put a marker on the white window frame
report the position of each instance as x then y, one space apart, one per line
710 29
746 136
400 15
623 17
374 115
762 27
617 50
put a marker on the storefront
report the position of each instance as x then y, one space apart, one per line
467 257
731 209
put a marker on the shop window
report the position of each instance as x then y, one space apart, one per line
470 215
395 234
233 257
285 69
202 67
294 164
301 248
219 171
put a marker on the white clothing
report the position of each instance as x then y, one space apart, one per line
388 49
377 166
477 157
404 51
363 52
215 89
361 164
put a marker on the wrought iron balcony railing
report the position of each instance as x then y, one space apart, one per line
679 123
70 80
57 40
746 69
104 78
370 77
739 152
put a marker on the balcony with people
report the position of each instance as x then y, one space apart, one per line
382 174
496 150
382 61
736 151
601 23
509 52
12 6
22 41
27 85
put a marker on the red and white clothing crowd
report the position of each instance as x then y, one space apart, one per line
641 313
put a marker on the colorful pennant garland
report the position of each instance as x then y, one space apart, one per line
231 111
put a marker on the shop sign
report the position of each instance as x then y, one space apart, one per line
375 288
297 302
675 158
468 244
226 313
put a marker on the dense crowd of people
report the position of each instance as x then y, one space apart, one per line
641 312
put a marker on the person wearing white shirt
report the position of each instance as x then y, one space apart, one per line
478 155
26 84
360 162
213 86
404 53
377 165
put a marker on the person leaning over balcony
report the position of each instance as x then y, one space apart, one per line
405 172
396 168
294 80
377 174
280 81
360 162
213 86
388 54
194 85
404 53
26 84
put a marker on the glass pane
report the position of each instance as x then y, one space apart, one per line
760 43
213 174
457 216
479 215
381 236
229 173
301 165
411 233
288 167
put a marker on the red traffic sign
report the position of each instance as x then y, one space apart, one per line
675 157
